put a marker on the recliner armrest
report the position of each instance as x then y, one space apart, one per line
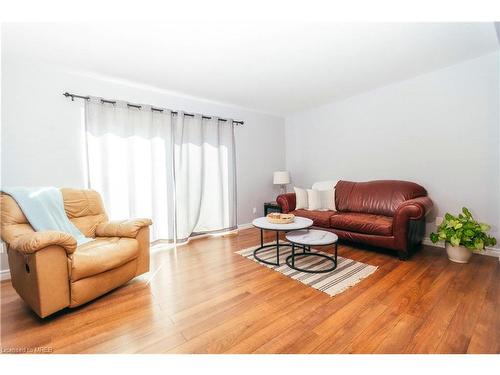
122 228
287 202
33 242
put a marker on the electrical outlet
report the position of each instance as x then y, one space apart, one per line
439 220
254 210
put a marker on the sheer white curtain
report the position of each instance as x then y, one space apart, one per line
205 181
177 170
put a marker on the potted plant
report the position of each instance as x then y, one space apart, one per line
462 235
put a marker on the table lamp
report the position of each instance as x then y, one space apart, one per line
281 178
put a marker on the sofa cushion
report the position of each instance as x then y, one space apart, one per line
102 254
319 218
362 223
381 197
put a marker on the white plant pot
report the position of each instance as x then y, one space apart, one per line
458 254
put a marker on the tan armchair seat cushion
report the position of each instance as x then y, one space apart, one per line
100 255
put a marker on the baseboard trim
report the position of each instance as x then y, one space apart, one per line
489 251
245 226
4 275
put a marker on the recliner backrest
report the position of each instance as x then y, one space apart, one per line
13 223
83 207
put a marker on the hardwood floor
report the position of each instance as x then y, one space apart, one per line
203 298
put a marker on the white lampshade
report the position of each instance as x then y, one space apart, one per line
281 178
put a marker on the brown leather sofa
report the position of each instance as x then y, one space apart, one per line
385 213
50 272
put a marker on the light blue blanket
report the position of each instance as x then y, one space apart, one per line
44 209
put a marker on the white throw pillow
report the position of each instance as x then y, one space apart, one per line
325 185
314 199
328 199
301 201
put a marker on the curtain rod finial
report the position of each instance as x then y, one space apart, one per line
66 94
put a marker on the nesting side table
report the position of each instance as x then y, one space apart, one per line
306 239
263 224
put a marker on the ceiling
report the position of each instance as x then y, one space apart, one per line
277 68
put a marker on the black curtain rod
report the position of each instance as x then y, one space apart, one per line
73 96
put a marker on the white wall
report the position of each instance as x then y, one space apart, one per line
42 135
440 130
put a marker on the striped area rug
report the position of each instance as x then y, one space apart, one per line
348 272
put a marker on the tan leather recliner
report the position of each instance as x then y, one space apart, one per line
48 269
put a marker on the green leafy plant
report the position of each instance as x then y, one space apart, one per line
463 230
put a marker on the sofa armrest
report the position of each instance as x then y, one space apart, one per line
286 202
33 242
412 209
122 228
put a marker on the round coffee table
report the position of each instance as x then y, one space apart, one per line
263 224
306 239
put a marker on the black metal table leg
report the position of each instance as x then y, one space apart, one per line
278 248
276 245
306 252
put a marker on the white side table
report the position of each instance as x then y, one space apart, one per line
263 224
306 239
